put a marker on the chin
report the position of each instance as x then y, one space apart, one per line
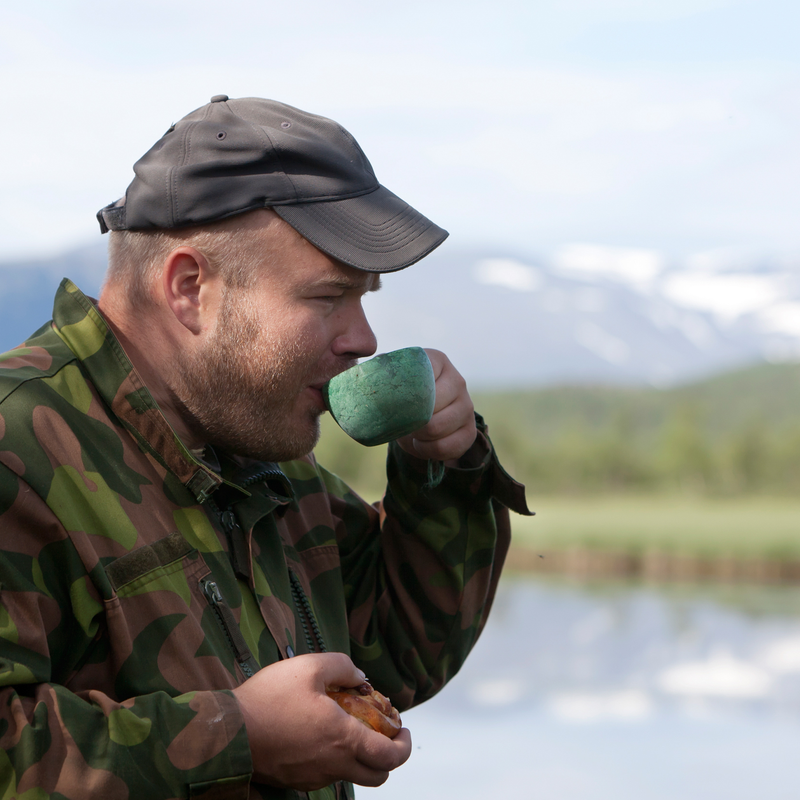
294 444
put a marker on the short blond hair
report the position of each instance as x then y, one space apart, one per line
232 248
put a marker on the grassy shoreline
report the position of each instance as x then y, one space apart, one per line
738 527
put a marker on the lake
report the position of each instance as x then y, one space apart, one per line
617 690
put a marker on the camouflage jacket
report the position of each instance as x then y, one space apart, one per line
138 585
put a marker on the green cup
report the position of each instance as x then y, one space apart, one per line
384 398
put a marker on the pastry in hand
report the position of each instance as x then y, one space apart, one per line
369 706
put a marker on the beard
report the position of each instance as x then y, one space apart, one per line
241 392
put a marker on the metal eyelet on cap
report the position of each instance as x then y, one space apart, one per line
221 135
286 124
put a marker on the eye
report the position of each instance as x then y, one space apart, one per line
328 298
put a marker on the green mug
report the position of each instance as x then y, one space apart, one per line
385 398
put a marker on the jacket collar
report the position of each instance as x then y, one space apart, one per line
80 325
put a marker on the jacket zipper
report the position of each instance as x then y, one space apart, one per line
315 642
223 613
236 544
308 621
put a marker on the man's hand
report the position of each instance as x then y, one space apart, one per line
301 739
451 430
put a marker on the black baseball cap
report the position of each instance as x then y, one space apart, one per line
232 156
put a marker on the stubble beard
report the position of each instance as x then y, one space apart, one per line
240 393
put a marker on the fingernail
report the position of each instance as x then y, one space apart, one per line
363 676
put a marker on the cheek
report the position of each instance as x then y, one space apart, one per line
314 336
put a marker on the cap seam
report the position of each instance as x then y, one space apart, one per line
412 218
278 155
172 188
328 198
262 131
400 235
352 249
168 192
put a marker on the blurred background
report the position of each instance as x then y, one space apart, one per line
621 288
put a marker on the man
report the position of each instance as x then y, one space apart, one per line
174 602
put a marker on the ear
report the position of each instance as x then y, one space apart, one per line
190 288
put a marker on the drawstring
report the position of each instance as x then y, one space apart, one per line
435 474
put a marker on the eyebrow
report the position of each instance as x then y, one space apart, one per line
339 282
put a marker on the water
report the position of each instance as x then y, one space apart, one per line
617 691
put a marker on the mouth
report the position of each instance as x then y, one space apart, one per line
315 390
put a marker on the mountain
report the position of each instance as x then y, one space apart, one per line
28 288
583 314
592 314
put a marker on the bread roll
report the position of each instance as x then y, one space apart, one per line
370 707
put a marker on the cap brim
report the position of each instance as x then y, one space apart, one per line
376 232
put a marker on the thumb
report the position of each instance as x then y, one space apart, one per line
338 670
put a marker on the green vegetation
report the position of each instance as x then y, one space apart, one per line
711 468
740 527
362 467
731 435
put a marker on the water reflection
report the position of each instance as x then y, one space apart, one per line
617 691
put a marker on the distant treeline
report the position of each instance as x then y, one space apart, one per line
737 433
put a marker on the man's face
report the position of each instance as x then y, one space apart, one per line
254 387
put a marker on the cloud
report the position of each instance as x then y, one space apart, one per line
598 10
626 265
501 138
782 656
726 295
720 675
783 318
602 343
498 693
509 273
629 705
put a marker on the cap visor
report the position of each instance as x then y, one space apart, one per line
377 232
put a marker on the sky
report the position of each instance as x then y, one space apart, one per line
527 126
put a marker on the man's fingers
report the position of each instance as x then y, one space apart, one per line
380 753
449 448
451 430
449 433
336 669
446 422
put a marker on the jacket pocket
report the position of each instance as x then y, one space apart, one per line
159 632
146 559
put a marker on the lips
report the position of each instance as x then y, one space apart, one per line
320 385
316 393
316 388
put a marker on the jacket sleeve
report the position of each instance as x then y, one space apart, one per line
421 572
86 744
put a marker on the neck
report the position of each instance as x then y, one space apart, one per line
149 348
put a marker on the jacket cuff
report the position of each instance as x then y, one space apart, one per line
479 466
234 779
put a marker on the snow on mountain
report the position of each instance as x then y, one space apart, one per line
584 313
593 313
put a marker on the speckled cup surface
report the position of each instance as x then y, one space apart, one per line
382 399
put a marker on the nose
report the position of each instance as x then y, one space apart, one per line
357 339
